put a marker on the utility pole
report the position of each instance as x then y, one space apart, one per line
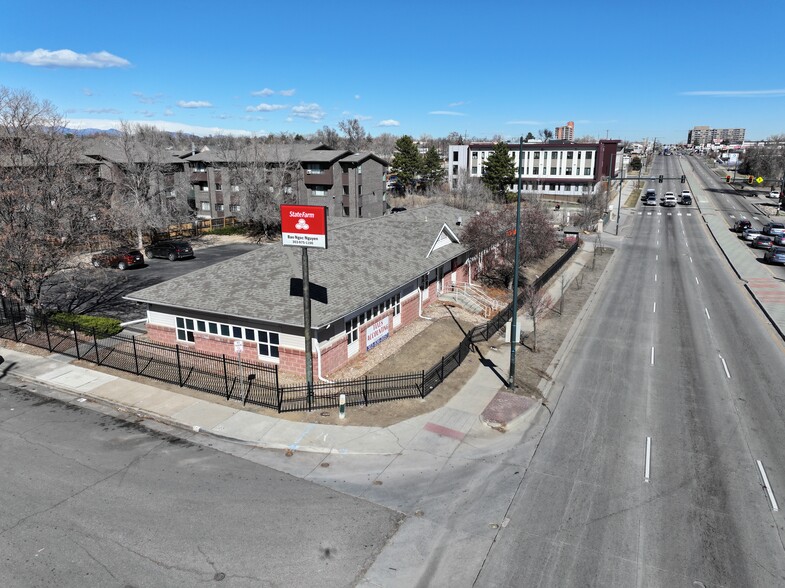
618 207
514 325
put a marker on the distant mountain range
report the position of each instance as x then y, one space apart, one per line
87 132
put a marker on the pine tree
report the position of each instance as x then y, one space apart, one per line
433 172
406 163
499 170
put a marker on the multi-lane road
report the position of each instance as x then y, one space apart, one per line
670 409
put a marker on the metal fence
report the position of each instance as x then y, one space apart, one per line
245 381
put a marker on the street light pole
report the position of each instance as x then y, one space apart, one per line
514 325
618 207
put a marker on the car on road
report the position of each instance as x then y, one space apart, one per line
669 199
650 192
686 197
740 225
774 229
774 194
120 257
172 250
762 242
650 201
779 240
749 234
775 255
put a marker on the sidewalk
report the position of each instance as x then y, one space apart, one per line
478 413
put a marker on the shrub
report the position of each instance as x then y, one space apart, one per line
103 326
230 230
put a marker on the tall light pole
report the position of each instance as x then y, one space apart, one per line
514 325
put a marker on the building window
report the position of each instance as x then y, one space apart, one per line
351 328
568 171
587 171
537 155
579 154
205 188
234 208
569 155
200 167
235 188
219 207
268 344
360 211
554 154
319 191
455 170
346 211
553 171
205 206
474 169
588 155
397 307
359 169
219 187
455 156
185 329
474 155
535 170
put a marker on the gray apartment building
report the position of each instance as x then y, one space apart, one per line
706 135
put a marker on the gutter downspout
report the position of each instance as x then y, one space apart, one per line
419 310
315 344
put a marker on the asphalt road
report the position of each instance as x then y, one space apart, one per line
674 353
92 500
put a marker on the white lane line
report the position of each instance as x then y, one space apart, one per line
686 244
648 214
707 313
690 258
689 214
696 281
765 479
678 214
730 215
647 469
655 307
754 218
652 355
657 257
655 277
725 366
659 214
639 213
658 241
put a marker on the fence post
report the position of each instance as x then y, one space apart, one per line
226 377
441 371
97 355
136 358
77 341
422 388
179 368
48 340
365 391
13 324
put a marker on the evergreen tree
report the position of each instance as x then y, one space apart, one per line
433 172
499 170
529 137
406 163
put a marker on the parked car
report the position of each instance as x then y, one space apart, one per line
686 197
775 255
172 250
669 199
749 234
774 229
120 257
740 225
762 242
650 192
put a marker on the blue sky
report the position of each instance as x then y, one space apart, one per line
618 69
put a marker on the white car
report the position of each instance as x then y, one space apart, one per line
774 194
669 199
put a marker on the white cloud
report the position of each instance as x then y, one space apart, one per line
312 112
194 104
454 104
144 99
524 122
100 111
388 123
737 93
164 125
446 113
168 112
87 91
146 113
65 58
362 117
269 92
264 107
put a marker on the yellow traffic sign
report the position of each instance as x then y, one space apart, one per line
759 180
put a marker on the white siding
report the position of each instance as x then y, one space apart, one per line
161 318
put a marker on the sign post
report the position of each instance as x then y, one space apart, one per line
304 227
238 349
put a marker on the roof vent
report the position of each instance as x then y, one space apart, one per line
459 221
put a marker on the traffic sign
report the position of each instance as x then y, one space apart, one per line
238 346
759 180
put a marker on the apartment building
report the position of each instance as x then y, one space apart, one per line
556 168
706 135
566 133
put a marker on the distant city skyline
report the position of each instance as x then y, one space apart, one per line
625 72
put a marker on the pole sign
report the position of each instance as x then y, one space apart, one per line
304 226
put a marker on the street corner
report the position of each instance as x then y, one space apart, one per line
504 408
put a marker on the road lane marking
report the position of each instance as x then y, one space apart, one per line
730 215
657 257
655 307
765 479
690 258
652 355
659 214
689 214
647 472
655 277
754 218
707 313
696 281
725 366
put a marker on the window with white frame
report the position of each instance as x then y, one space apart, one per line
205 206
234 208
352 329
319 191
235 188
267 342
219 207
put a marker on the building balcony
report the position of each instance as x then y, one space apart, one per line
198 177
323 178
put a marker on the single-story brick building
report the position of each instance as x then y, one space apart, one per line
380 273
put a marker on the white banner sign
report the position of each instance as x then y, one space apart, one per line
377 333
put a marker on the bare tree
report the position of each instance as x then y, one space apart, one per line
328 136
266 176
383 145
356 138
47 200
535 304
150 192
545 135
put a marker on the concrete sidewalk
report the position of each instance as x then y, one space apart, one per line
477 414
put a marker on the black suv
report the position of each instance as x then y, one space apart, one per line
740 225
172 250
120 257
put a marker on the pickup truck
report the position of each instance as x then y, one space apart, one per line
669 199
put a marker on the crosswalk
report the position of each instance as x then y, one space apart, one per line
742 216
640 212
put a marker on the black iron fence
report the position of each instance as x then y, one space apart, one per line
246 381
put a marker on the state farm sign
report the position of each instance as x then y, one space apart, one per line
304 226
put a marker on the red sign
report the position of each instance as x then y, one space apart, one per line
304 226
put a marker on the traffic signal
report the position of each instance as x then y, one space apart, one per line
683 179
727 179
749 180
659 179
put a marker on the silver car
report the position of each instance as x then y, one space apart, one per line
750 234
775 255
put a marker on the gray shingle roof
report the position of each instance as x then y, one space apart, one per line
367 260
